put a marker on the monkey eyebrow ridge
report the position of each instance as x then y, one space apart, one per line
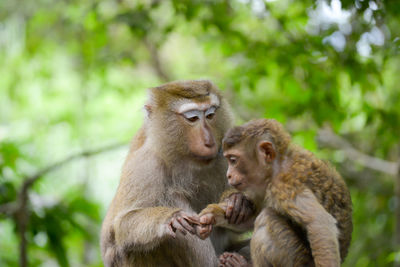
213 101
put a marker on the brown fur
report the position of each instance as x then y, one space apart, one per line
159 178
304 213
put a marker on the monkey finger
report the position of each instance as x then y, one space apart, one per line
193 219
242 213
236 208
204 231
240 217
208 230
179 227
234 259
204 219
239 260
231 262
229 206
207 218
200 232
170 231
186 225
248 209
221 261
226 254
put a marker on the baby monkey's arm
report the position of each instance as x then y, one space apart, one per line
215 214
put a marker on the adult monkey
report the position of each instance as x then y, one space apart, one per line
174 169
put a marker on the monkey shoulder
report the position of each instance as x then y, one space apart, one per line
305 172
280 195
316 174
327 185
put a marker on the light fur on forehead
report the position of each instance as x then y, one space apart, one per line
186 106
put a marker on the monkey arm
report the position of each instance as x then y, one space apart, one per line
142 229
136 220
135 229
321 228
227 193
214 214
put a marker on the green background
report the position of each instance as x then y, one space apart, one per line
73 79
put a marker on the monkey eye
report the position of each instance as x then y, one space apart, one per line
192 119
232 160
210 116
192 115
209 113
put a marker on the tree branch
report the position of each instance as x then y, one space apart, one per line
326 137
88 153
11 207
155 60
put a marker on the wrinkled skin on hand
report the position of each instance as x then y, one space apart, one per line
206 224
239 209
182 222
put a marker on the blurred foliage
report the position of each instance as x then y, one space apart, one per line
73 76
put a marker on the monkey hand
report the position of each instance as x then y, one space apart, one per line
182 222
206 224
238 208
203 231
232 260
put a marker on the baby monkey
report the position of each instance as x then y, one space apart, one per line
303 207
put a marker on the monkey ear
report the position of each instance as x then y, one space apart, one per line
148 109
267 151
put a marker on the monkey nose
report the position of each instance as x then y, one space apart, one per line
208 138
209 142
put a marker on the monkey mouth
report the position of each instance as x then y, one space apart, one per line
237 185
204 159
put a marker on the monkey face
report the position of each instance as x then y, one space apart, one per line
199 121
186 121
245 172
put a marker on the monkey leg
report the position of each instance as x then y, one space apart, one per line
277 241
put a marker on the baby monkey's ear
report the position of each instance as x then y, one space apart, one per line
267 151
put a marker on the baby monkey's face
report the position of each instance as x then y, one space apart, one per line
245 171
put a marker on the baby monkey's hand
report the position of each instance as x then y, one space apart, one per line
209 216
207 221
